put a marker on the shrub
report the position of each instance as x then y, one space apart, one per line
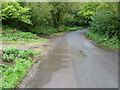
104 26
43 30
105 22
68 20
61 28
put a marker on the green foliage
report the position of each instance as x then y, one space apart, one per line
105 25
24 54
40 13
13 10
57 12
53 17
2 67
103 40
11 50
27 35
46 17
10 34
41 18
61 28
11 53
8 58
19 36
49 17
89 10
105 22
74 28
68 20
44 30
84 16
12 74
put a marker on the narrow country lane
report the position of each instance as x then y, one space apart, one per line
74 62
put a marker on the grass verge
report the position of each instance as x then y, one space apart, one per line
75 28
102 40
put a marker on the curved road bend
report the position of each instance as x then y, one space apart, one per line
74 62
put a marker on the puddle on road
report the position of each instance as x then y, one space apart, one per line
58 58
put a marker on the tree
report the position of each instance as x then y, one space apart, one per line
59 9
40 13
13 10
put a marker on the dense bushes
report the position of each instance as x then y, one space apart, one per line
15 13
83 16
105 22
13 10
47 17
42 18
43 30
105 25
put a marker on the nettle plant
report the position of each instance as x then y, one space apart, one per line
12 53
25 53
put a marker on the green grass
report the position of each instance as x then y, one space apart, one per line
57 34
112 43
30 41
74 28
12 74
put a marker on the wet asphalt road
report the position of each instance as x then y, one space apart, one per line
74 62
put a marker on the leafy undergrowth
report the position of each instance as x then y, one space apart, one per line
15 64
9 34
103 40
14 35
